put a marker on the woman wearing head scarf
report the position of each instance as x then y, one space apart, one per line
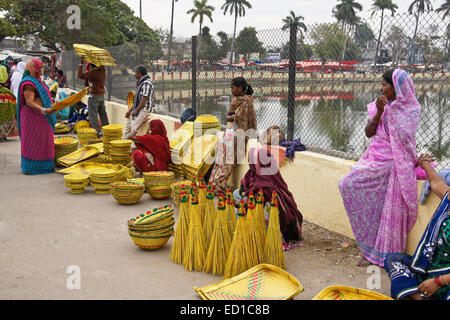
7 107
264 174
17 77
241 120
380 191
36 121
153 149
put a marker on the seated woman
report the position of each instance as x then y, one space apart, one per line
153 149
427 273
272 136
264 174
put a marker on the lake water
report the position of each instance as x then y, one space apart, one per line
331 118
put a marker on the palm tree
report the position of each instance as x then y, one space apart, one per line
419 6
382 5
345 13
445 7
294 20
171 34
201 9
238 8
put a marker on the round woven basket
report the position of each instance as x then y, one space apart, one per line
81 124
160 192
150 243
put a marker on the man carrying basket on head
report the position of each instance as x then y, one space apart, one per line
95 78
143 104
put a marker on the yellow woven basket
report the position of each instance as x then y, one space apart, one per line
97 56
160 192
349 293
262 282
150 243
81 124
112 129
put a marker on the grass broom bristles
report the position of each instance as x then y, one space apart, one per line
219 248
202 199
210 216
238 258
260 219
181 232
273 249
194 255
256 245
231 215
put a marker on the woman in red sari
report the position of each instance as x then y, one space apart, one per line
153 149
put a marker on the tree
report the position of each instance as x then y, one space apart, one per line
329 42
345 13
238 8
208 46
295 21
171 33
445 8
6 27
224 45
363 34
416 8
200 10
397 44
247 42
304 51
115 23
382 5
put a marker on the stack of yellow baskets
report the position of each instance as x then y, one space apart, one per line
127 192
176 190
76 182
101 180
65 145
178 143
199 156
110 133
206 123
120 151
85 134
152 230
157 184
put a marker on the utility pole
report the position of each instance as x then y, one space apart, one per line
140 9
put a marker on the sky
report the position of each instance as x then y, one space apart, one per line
265 14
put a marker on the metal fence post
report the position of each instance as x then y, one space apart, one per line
110 82
292 75
194 72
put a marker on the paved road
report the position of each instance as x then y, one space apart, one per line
45 232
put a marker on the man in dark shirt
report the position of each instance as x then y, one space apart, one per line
95 78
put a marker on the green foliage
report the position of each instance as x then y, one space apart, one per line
103 23
224 45
208 47
304 51
329 40
247 42
200 10
363 34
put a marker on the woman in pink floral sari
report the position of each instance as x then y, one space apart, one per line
380 191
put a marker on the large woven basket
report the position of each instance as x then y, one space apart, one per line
127 192
349 293
262 282
160 192
150 243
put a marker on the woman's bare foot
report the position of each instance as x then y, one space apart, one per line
363 262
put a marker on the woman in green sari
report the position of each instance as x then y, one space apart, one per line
8 107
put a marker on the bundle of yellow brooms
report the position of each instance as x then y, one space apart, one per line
212 239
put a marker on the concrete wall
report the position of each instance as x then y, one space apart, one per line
313 180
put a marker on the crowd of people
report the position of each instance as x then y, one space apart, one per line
379 193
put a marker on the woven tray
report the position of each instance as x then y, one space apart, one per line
262 282
80 155
97 56
70 101
349 293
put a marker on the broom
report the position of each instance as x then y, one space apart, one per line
202 198
256 245
273 249
238 259
260 219
219 248
181 232
193 190
194 255
231 215
210 216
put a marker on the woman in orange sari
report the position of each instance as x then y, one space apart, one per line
241 116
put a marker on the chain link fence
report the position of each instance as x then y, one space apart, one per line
337 72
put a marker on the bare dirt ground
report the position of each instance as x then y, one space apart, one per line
45 231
